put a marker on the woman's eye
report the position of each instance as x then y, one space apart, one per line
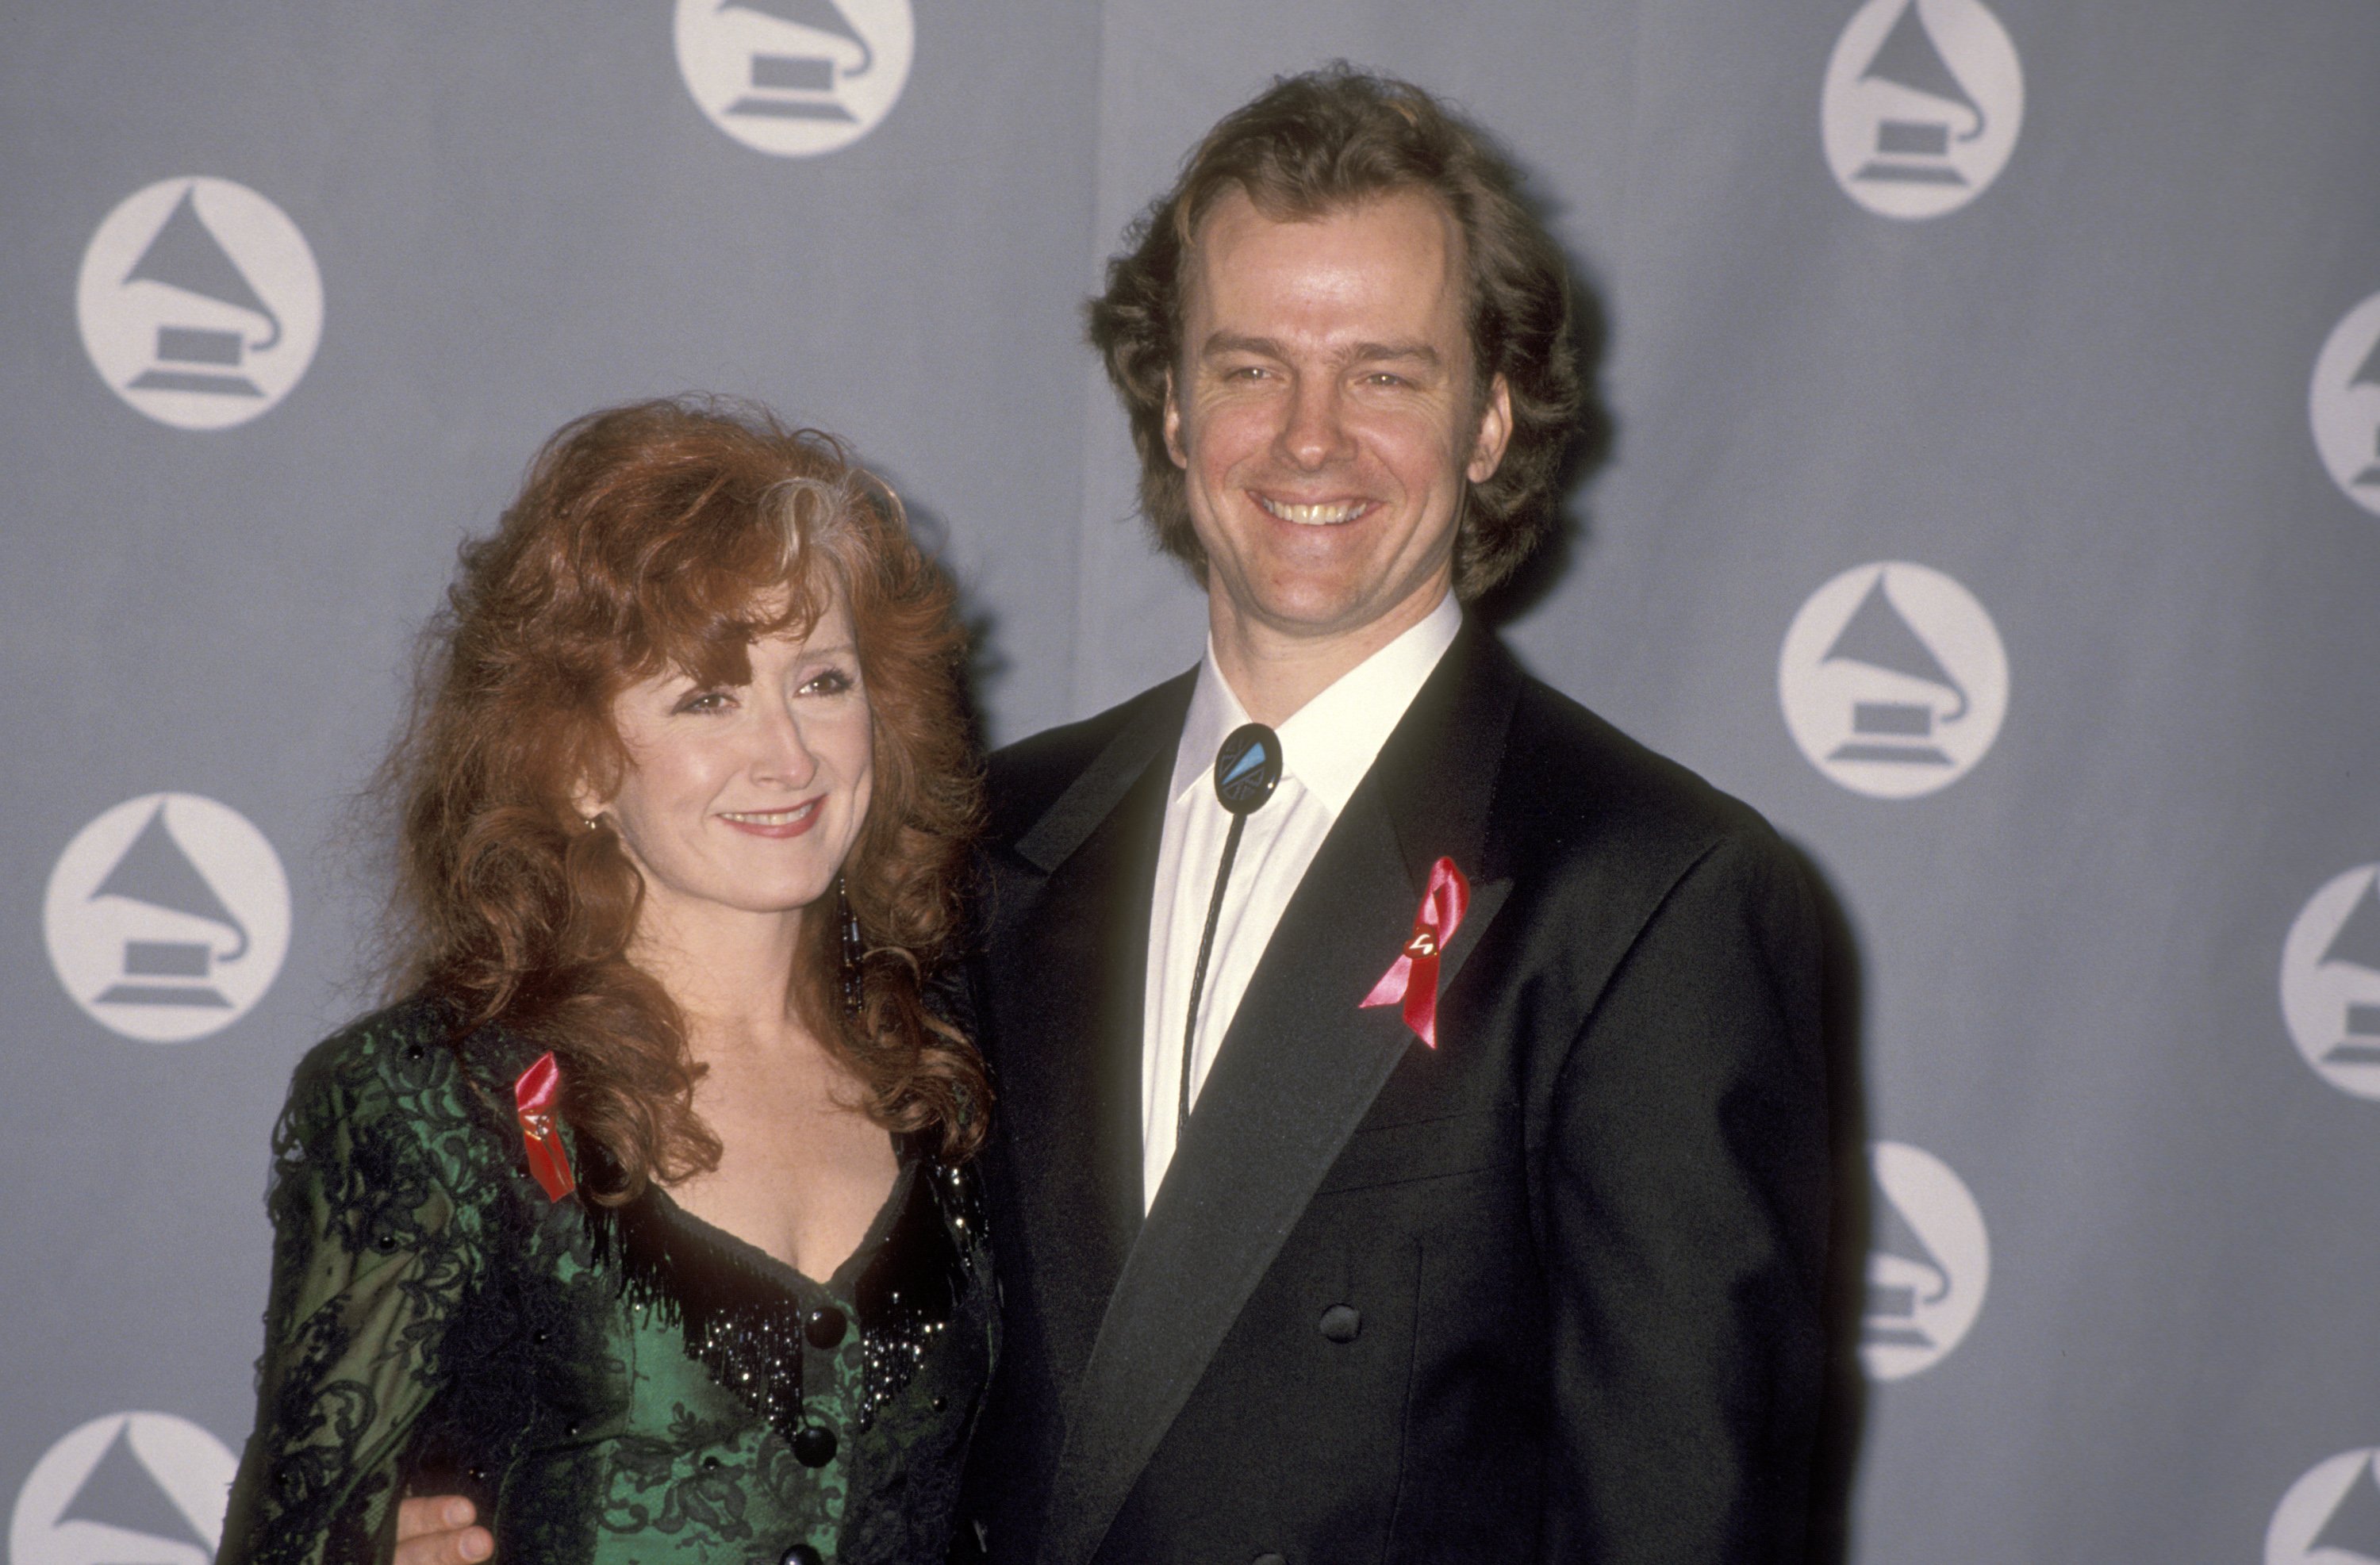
827 682
703 701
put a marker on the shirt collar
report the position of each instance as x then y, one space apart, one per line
1330 743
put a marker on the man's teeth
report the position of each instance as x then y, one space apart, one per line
771 817
1325 515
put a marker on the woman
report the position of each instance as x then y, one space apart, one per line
644 1222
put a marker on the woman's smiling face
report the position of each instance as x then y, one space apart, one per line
746 797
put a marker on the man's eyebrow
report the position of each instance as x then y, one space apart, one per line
1233 342
1368 353
1362 353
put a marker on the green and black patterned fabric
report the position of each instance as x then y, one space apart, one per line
609 1385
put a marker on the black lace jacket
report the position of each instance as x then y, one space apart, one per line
610 1386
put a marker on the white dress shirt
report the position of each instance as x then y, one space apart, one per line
1327 747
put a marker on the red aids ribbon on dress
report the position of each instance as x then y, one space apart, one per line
534 1097
1413 976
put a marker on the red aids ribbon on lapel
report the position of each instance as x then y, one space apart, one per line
533 1097
1413 976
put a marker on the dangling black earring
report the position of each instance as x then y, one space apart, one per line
855 988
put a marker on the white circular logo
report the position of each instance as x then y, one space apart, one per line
200 303
2330 982
1928 1262
795 78
2346 404
131 1488
167 917
2331 1516
1893 680
1922 105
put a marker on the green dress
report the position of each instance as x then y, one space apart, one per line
608 1385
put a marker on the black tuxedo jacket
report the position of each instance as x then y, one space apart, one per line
1548 1292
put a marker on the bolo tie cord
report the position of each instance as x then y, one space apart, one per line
1248 769
1199 973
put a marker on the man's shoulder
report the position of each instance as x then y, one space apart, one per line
1023 780
1569 778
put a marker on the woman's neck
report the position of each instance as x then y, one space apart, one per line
802 1168
731 976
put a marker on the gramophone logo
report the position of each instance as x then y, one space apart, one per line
1927 1263
167 917
200 303
131 1488
1893 680
1922 105
2331 1516
795 78
2346 404
2330 982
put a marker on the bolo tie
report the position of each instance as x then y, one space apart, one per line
1248 769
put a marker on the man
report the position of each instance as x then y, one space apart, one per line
1340 1214
1547 1285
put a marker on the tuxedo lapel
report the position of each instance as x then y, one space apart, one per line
1294 1075
1067 963
1149 734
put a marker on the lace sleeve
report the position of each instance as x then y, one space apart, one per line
369 1267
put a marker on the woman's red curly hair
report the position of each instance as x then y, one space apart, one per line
658 536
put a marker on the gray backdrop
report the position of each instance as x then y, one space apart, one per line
1995 502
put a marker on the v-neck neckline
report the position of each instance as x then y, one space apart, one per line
753 1258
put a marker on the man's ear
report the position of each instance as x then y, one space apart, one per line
1495 432
1174 426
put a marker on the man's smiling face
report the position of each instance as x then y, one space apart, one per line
1325 415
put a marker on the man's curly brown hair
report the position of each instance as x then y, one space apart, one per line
1318 143
658 536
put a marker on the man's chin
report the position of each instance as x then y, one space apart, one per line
1302 611
1311 604
1318 619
